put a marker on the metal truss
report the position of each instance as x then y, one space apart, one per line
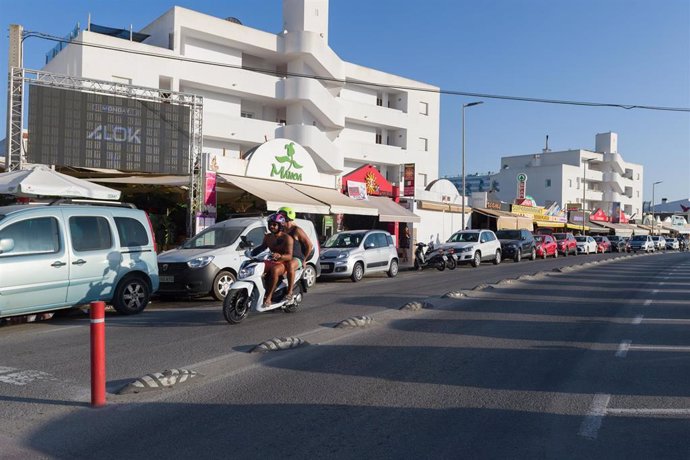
19 76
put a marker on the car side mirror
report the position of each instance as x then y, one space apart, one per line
245 243
6 245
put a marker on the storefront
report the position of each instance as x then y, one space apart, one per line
494 219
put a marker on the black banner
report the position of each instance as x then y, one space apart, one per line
82 129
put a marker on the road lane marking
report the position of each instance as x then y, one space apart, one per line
661 284
623 348
667 320
637 319
651 412
592 422
655 291
657 348
19 377
647 302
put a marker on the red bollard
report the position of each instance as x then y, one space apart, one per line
97 354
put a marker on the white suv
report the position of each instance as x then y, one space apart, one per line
475 246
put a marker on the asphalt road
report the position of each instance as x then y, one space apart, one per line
584 363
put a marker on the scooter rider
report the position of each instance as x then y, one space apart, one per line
302 248
281 246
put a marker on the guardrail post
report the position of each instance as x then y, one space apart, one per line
97 311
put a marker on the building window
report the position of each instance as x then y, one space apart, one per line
638 193
638 176
548 183
422 179
424 108
246 114
379 138
424 144
570 183
379 101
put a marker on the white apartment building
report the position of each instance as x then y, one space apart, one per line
558 176
342 122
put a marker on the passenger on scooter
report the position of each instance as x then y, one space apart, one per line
302 248
280 244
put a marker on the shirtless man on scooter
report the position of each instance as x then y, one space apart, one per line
281 246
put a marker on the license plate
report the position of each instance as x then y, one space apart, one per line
166 279
324 267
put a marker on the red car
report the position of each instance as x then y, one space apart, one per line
546 246
566 243
603 244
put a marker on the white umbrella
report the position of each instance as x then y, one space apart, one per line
42 181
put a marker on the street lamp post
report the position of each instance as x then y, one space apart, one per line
584 185
653 219
464 187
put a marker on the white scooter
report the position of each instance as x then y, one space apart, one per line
247 293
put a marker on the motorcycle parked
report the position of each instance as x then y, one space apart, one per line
440 258
247 293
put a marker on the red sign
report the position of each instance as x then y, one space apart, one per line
599 216
408 180
376 184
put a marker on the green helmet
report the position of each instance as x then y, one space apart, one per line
288 212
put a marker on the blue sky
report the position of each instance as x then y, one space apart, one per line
611 51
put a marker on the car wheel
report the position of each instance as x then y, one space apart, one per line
417 266
221 284
357 272
393 270
309 275
565 253
497 257
477 259
131 295
534 254
518 256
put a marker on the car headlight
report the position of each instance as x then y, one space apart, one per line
200 262
246 272
466 249
344 255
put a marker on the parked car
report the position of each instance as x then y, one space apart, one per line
617 243
358 253
546 246
641 243
516 244
208 263
603 244
586 245
672 243
566 243
64 255
659 243
475 246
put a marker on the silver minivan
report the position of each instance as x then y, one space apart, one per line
208 263
357 253
63 255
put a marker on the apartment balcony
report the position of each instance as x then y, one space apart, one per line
592 175
616 162
594 195
375 153
374 115
230 81
317 99
238 129
327 155
316 52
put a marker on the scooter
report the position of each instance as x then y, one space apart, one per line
247 293
439 258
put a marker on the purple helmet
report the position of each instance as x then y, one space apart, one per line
277 218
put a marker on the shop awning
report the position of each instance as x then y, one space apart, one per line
506 220
619 229
275 194
339 203
390 211
547 224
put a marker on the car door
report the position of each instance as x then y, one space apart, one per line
485 247
372 252
95 261
35 271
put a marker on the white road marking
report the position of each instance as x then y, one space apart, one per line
667 320
19 377
647 302
655 291
653 412
592 422
623 349
637 319
661 284
657 348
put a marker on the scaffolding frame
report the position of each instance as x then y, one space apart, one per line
18 77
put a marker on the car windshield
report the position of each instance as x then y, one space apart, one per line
655 238
559 236
598 239
639 238
214 237
464 237
344 240
581 239
539 238
508 234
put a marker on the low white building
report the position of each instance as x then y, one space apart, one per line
609 180
257 86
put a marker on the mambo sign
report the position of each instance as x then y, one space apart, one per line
283 160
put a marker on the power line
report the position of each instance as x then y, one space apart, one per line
442 91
